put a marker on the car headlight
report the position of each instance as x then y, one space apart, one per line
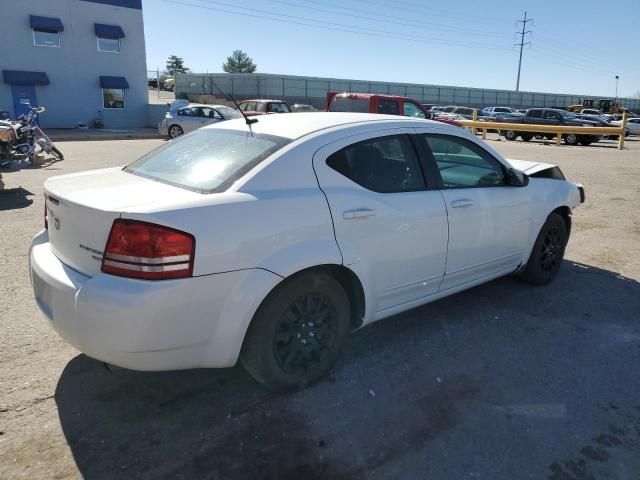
4 135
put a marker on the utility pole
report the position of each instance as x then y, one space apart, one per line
617 78
522 43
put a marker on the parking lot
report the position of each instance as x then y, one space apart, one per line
504 381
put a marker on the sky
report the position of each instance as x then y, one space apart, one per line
576 46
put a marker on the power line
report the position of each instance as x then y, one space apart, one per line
386 18
522 34
310 22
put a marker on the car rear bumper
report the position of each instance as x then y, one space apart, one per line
148 325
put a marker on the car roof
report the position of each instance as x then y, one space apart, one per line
262 100
208 105
369 95
296 125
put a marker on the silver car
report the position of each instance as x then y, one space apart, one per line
181 118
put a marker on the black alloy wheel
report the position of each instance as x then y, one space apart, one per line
305 333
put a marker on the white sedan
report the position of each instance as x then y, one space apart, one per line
270 242
633 125
184 117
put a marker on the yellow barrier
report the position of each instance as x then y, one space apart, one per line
558 130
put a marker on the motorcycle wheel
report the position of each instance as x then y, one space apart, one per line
57 153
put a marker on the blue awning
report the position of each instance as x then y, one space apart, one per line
48 24
108 31
113 82
18 77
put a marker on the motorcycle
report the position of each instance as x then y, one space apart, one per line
25 137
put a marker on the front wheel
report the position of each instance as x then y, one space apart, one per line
297 333
548 252
57 153
175 131
526 137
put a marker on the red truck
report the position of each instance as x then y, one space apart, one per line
377 103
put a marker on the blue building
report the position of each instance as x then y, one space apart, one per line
84 60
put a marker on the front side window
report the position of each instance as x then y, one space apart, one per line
113 97
411 110
46 38
110 45
463 164
207 161
208 112
384 164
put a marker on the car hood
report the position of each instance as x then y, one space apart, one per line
529 167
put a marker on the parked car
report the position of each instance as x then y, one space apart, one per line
152 83
301 107
489 111
374 103
633 125
550 116
263 107
455 112
181 118
270 243
169 84
600 121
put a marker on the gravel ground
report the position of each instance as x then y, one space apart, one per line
504 381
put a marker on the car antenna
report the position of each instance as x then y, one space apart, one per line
247 120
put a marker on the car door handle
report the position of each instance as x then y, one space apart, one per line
462 203
358 213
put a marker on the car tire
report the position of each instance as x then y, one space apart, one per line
297 333
526 137
548 252
57 153
585 141
510 135
571 139
175 131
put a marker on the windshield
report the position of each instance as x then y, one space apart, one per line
207 160
346 104
228 112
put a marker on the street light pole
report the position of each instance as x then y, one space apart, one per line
617 78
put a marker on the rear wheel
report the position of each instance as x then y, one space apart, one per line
526 137
297 333
510 135
585 141
571 139
175 131
548 252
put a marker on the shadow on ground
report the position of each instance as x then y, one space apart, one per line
502 381
14 198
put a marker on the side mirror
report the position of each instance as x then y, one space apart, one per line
516 178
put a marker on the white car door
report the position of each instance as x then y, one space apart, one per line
391 230
489 221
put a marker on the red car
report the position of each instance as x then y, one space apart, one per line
377 103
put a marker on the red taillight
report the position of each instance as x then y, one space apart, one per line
144 250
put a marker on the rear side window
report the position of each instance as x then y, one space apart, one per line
463 164
208 160
535 113
346 104
388 107
384 164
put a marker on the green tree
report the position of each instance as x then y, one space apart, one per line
175 65
239 62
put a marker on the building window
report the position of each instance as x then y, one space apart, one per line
110 45
113 97
46 38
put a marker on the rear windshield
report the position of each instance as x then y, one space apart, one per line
207 160
346 104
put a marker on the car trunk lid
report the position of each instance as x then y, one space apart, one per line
81 209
